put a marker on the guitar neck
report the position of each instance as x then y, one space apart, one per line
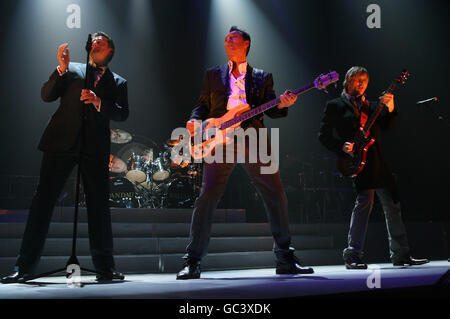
262 108
377 112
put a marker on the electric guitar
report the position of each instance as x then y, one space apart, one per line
216 131
352 165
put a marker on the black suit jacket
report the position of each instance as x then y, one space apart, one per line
216 90
63 132
340 124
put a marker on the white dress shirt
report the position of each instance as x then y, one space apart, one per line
237 86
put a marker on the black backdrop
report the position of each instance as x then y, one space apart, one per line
164 47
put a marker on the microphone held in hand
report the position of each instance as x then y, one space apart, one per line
89 43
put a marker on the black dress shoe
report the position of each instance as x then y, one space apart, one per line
291 265
191 270
15 278
110 275
354 262
410 261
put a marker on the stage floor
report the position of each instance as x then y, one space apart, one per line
237 284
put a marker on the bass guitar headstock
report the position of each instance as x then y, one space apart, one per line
322 81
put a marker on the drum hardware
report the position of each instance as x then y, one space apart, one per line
138 180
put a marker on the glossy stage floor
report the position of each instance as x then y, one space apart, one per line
424 281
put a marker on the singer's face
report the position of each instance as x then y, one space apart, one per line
100 50
358 84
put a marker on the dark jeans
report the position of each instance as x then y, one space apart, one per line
55 170
270 189
398 242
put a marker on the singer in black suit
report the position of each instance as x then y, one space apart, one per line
343 117
225 87
65 145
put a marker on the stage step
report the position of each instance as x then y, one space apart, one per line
136 230
154 240
152 247
134 246
131 215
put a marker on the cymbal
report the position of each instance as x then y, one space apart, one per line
126 151
171 142
120 136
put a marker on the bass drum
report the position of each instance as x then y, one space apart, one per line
122 193
180 194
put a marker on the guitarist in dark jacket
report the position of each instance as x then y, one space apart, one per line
62 143
342 119
225 87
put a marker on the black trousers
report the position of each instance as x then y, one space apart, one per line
270 189
398 241
55 170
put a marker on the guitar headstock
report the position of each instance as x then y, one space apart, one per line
400 80
322 81
403 76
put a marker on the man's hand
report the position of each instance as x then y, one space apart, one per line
287 99
388 100
89 96
348 148
63 57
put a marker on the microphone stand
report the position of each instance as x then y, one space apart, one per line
428 105
73 260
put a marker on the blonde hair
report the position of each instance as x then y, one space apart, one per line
354 70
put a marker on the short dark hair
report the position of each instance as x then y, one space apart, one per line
110 42
244 34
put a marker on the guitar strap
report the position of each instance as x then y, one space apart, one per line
256 85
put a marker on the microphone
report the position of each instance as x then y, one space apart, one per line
433 99
89 43
88 48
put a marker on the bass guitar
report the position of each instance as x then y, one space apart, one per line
216 131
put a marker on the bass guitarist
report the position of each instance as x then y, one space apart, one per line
342 119
226 87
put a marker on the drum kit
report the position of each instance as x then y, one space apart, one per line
138 180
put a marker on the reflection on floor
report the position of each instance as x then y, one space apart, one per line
254 283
